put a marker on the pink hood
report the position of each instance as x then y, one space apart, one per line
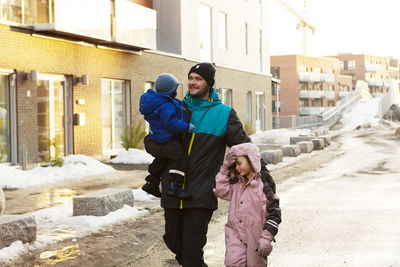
250 150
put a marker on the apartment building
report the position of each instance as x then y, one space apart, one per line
377 71
309 85
72 72
230 34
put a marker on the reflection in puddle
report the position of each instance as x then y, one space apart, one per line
54 196
56 256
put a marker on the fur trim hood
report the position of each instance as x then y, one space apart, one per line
250 150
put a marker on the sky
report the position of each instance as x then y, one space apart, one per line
342 26
57 223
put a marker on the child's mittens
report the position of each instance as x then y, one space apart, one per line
264 247
191 127
229 161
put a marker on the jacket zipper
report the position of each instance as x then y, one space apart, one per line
184 178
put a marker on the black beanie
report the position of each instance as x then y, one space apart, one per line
206 70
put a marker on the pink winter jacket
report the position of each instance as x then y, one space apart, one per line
247 211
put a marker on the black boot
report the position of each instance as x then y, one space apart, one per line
152 185
175 185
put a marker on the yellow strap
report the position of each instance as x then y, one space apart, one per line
184 178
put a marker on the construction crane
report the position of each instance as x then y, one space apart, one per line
303 25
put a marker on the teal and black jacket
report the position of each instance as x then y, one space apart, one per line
216 126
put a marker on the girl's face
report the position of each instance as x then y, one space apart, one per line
243 167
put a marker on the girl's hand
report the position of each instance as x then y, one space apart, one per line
264 247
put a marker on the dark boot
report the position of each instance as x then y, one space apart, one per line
175 185
152 185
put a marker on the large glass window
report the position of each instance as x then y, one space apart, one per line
26 11
222 30
227 97
4 120
260 112
50 116
249 106
114 113
205 32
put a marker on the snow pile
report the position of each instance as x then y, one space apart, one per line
278 136
57 223
364 114
132 156
75 167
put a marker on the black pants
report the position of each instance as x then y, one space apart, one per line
166 154
186 234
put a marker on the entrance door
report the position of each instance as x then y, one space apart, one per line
53 124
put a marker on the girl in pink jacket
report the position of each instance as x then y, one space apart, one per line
239 181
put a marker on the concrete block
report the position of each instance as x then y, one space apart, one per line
318 143
272 156
295 139
306 146
264 147
291 150
100 203
17 228
327 139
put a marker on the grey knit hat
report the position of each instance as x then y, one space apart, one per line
166 83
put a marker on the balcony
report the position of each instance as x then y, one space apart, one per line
316 94
343 93
373 68
132 25
313 110
316 77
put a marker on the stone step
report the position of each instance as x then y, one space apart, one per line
272 156
327 139
102 202
295 139
17 228
318 143
291 150
306 146
264 147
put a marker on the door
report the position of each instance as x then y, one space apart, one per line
54 117
4 119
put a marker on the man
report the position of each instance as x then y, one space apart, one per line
216 126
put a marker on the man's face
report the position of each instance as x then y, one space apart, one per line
198 87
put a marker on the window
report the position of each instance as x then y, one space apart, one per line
275 88
303 86
302 69
276 72
331 103
205 32
351 64
249 107
276 106
246 38
316 103
303 103
4 119
260 111
20 11
317 86
115 112
227 97
331 88
222 30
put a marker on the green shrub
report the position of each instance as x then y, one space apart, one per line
248 128
133 136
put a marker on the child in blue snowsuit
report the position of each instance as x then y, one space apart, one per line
167 118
